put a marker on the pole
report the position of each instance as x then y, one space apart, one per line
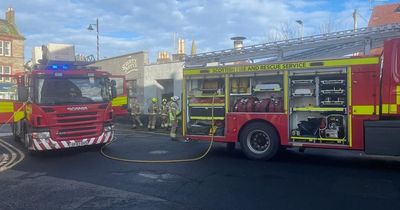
98 45
302 30
355 20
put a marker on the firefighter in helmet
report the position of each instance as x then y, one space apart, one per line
153 111
173 113
135 112
164 113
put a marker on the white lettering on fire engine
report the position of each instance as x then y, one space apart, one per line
77 108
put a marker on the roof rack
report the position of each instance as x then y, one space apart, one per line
336 44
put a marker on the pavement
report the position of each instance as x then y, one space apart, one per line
83 179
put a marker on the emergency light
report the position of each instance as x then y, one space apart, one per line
59 67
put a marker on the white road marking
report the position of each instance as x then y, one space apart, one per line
16 155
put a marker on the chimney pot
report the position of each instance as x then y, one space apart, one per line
238 42
10 16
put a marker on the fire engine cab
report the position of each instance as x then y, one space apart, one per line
61 104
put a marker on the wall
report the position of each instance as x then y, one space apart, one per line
16 60
130 65
154 72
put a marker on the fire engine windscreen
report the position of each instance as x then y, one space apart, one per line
71 90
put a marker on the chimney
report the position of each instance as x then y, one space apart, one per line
238 42
10 16
163 57
181 46
193 52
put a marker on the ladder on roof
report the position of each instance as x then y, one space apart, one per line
329 45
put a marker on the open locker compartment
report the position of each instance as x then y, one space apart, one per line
318 107
205 106
264 93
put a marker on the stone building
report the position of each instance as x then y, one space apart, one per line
144 80
11 53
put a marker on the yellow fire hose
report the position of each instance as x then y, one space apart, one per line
164 161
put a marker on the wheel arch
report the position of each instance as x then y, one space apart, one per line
261 121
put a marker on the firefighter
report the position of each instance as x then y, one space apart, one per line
164 113
168 105
135 112
173 113
153 111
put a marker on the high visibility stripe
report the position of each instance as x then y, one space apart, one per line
388 109
353 61
206 118
282 66
286 91
350 118
6 107
398 95
371 109
227 89
202 105
317 109
119 101
184 111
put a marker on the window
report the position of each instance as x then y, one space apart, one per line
5 70
5 48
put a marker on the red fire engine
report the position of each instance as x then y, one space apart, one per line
348 103
60 105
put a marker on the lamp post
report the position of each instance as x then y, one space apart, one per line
90 28
300 22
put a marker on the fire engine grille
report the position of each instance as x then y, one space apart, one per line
76 118
83 134
76 114
81 131
76 129
77 125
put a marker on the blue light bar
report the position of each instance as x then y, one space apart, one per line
59 67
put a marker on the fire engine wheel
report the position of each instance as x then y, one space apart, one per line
14 128
259 141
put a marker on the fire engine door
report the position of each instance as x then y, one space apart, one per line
120 102
12 95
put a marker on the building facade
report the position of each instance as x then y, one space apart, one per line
163 80
144 80
132 67
11 54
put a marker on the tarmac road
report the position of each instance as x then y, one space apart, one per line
83 179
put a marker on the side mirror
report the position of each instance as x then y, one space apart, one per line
113 89
113 92
23 94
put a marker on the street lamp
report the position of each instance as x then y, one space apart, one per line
90 28
300 22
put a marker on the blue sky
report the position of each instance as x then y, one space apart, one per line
149 25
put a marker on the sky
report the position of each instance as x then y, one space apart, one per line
128 26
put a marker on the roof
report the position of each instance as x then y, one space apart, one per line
9 30
385 14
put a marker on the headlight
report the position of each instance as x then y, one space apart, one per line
41 135
108 128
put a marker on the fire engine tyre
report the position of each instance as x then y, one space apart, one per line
16 137
259 141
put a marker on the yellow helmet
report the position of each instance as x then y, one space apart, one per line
154 100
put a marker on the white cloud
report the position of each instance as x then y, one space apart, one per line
149 25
